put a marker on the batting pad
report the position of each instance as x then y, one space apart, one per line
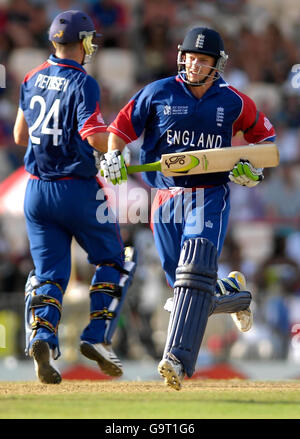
196 278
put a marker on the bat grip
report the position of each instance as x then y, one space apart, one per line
147 167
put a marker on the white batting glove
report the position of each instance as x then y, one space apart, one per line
98 157
245 174
113 167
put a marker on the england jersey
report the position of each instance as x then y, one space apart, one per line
165 117
61 105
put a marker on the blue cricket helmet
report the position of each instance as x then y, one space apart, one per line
71 26
206 41
203 40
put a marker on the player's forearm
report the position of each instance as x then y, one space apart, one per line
20 132
99 141
21 140
115 143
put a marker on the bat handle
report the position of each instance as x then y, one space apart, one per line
147 167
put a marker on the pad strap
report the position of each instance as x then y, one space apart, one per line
39 300
103 314
43 300
39 322
111 289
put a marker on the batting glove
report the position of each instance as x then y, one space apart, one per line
113 167
98 158
245 174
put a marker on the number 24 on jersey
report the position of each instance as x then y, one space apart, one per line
43 120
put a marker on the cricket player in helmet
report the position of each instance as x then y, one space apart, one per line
203 42
195 110
59 121
72 27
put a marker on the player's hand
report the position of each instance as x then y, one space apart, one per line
245 174
113 167
127 155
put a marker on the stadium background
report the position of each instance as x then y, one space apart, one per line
139 45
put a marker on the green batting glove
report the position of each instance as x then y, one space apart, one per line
123 170
245 174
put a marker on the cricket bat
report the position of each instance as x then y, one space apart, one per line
264 155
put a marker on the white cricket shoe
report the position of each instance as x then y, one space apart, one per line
44 368
103 354
172 371
236 281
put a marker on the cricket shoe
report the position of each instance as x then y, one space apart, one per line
172 371
234 282
103 354
45 371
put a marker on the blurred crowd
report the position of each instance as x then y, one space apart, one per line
138 45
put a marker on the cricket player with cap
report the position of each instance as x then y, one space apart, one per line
59 121
195 110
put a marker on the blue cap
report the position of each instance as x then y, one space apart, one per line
68 25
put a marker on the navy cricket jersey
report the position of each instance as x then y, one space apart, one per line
61 105
165 117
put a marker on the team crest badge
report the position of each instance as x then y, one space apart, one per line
200 41
220 116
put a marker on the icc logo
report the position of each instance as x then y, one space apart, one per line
167 110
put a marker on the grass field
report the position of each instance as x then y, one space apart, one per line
207 399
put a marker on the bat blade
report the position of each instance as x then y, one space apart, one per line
219 159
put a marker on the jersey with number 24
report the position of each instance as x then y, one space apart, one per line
61 105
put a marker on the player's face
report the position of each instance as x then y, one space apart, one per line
198 66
